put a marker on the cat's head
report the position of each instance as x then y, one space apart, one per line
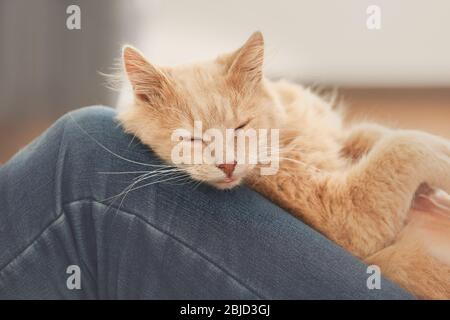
228 92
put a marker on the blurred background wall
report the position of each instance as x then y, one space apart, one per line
318 41
398 75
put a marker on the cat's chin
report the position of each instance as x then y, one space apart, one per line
225 185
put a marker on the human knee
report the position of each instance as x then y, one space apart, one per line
90 119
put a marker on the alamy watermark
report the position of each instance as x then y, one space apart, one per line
73 21
73 281
374 280
216 147
373 21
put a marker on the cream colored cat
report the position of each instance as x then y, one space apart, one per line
353 184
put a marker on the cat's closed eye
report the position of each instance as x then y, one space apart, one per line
242 125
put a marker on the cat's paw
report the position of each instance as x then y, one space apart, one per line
442 165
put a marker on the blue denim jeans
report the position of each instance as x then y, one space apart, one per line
166 240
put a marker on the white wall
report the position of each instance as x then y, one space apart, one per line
319 41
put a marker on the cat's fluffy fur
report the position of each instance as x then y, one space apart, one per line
353 184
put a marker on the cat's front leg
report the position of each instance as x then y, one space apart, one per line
375 194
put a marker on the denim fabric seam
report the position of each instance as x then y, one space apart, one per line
180 241
36 238
58 171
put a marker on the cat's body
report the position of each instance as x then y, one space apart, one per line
366 219
353 184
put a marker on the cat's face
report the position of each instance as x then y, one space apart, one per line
226 93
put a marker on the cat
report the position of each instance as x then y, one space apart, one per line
354 184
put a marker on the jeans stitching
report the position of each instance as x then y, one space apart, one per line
36 238
180 241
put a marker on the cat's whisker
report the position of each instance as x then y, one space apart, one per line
109 206
164 171
124 190
184 181
140 179
280 151
122 172
171 168
197 184
306 165
154 182
145 177
110 151
149 175
129 188
132 139
157 176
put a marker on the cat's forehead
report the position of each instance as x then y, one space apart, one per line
207 96
203 87
199 76
213 110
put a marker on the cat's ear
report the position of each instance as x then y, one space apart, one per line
148 82
245 66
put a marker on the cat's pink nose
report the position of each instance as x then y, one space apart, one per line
227 168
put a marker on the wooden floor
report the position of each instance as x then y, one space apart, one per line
425 109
